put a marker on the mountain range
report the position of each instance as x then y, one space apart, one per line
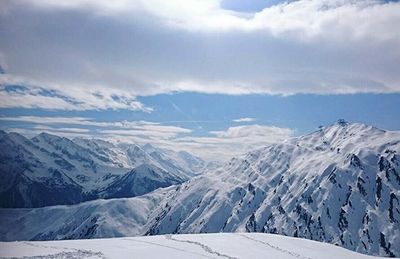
51 170
339 184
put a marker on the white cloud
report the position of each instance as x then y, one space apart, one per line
64 98
301 18
244 119
144 129
83 121
305 46
221 145
254 131
51 120
233 141
66 130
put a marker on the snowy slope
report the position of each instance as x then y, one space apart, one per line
186 161
139 181
51 170
239 245
339 185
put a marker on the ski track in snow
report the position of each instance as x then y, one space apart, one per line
62 255
73 254
166 246
203 246
275 247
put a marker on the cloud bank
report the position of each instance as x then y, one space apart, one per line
102 54
218 145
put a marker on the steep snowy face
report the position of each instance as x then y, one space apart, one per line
106 151
51 170
138 182
185 161
340 185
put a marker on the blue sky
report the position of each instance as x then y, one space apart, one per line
203 113
215 77
248 6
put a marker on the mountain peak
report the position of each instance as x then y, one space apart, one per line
351 128
46 136
146 168
149 148
13 135
2 133
342 122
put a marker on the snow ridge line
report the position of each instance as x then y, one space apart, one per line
203 246
275 247
63 255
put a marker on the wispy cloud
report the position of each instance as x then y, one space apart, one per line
85 121
65 130
244 119
144 129
219 145
18 93
50 120
234 140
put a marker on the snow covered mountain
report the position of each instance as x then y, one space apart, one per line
139 181
51 170
233 246
340 185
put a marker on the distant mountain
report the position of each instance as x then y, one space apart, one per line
139 181
52 170
340 184
186 161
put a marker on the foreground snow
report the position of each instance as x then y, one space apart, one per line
237 245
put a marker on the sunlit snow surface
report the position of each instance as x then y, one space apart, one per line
222 245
